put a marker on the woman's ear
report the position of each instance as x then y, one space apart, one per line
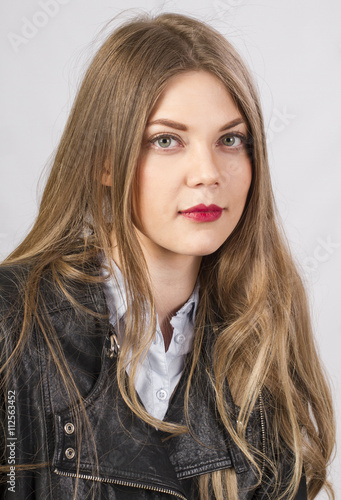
106 175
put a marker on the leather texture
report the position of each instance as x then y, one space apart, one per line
124 458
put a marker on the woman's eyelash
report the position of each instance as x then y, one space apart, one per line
239 135
246 140
158 137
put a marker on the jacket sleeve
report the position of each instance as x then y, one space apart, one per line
22 444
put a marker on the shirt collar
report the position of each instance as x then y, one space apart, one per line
116 298
115 294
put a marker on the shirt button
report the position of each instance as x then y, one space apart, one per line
180 338
161 394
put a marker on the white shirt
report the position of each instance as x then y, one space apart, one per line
161 370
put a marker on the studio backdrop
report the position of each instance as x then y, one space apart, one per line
294 51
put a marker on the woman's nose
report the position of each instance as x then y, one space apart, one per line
202 168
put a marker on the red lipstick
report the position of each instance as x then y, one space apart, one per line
202 213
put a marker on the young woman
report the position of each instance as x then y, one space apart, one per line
155 335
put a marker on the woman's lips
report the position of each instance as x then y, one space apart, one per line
202 213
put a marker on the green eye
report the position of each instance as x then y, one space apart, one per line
229 140
164 142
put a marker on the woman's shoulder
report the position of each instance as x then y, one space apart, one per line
17 286
12 277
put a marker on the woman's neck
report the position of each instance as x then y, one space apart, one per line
173 279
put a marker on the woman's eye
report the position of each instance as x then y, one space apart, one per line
231 140
164 141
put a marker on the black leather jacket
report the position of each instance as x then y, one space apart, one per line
134 459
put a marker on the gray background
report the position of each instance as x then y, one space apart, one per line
293 48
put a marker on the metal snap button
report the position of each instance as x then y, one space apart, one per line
70 453
69 428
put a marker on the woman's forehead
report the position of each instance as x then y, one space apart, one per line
192 96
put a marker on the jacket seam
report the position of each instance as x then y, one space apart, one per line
199 469
41 361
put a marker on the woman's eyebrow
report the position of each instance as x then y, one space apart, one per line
181 126
233 123
168 123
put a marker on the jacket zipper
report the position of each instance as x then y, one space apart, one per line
114 349
262 425
120 482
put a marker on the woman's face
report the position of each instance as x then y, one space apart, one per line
194 171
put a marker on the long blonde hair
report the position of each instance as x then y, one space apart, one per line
263 343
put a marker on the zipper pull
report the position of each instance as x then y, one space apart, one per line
114 348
